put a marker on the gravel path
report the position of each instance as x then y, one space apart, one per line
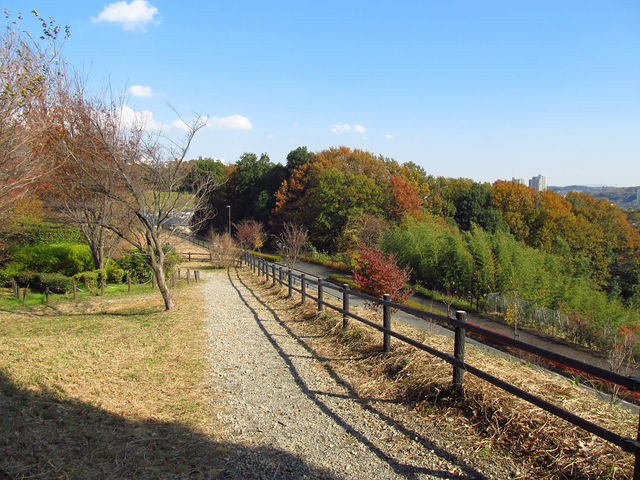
289 416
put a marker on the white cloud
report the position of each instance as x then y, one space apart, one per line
237 122
388 136
340 128
131 16
140 91
144 119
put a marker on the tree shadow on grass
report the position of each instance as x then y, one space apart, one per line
44 436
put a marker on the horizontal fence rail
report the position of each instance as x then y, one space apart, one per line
300 282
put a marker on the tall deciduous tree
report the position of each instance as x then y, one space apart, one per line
138 172
29 65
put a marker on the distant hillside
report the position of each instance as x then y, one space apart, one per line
624 197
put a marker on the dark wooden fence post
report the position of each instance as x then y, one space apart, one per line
188 277
189 253
280 275
75 291
24 295
273 274
320 296
345 305
386 323
178 273
289 281
303 288
14 288
458 350
196 275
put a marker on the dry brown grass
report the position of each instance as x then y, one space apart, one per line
487 419
112 388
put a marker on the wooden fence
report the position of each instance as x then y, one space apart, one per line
300 282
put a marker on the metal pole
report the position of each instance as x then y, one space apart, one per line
458 350
386 323
345 305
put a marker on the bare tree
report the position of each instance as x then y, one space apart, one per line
224 250
140 172
291 242
250 234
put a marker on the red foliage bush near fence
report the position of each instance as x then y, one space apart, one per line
378 274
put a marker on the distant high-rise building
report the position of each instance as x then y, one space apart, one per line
538 183
518 180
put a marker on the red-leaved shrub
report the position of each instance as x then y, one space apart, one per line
378 274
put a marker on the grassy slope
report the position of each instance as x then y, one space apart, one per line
109 388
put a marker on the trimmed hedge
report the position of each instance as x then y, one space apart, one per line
39 281
65 258
266 256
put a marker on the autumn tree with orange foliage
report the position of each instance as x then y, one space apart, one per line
30 65
404 198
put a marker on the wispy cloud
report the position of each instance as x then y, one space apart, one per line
140 91
130 16
132 119
237 122
388 136
340 128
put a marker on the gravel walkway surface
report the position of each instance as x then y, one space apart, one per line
289 416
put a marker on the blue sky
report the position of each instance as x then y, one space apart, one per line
477 89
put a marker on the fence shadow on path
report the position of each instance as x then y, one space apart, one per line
43 436
408 471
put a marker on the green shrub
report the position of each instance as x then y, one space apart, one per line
56 282
6 274
65 258
28 279
115 274
36 233
90 279
136 265
266 256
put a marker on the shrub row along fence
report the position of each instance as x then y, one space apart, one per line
301 283
22 293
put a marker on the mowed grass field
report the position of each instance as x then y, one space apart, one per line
106 387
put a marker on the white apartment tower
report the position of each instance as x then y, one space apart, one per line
538 183
518 180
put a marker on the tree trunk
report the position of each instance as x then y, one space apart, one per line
156 257
162 286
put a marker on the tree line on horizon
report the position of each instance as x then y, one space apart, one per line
564 252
